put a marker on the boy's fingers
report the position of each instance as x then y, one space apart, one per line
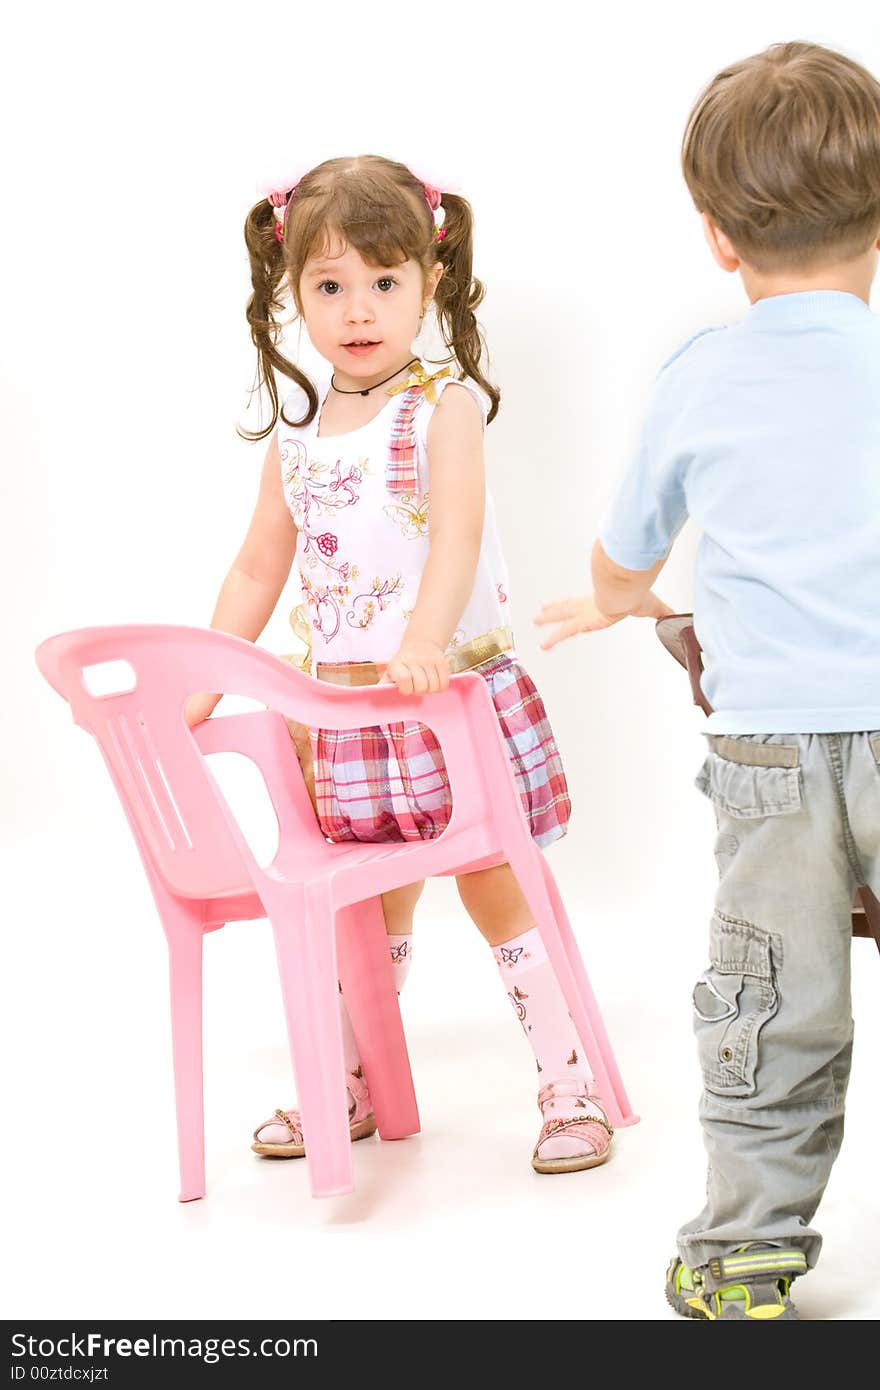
557 611
561 634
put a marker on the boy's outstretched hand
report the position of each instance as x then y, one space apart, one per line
576 615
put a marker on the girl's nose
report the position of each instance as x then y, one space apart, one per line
359 310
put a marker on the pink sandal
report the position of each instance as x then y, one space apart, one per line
282 1136
588 1136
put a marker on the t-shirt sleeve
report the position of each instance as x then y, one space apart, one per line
650 506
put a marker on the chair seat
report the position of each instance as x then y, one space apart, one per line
347 864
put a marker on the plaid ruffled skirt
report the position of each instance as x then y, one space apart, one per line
389 783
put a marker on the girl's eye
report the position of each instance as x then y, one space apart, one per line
386 283
329 287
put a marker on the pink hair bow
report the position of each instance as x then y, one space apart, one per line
434 199
280 201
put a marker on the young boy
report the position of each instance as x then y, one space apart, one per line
768 435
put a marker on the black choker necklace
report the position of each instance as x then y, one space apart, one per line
359 392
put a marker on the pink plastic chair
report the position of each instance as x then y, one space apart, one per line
203 874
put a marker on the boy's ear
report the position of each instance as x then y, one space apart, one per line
719 244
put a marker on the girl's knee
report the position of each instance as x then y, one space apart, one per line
398 907
494 902
488 886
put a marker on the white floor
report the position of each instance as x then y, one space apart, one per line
452 1224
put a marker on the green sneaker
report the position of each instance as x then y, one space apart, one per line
750 1282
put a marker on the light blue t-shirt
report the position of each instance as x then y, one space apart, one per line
767 433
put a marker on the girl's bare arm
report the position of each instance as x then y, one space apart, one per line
259 571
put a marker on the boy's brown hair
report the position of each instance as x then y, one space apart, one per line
782 152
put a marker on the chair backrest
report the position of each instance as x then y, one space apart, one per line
178 815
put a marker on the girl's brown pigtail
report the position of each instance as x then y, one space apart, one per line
265 304
459 294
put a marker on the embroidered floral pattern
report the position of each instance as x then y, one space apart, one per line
327 601
324 602
365 606
317 487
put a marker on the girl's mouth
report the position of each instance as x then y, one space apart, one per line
360 348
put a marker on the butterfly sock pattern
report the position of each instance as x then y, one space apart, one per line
401 956
540 1006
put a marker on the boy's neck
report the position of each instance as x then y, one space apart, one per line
848 277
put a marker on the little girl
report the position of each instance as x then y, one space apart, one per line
374 484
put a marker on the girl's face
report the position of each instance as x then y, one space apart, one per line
363 318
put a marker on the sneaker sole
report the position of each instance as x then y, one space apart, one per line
362 1130
685 1310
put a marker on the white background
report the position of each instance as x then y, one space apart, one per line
136 140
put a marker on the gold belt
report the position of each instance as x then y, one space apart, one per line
474 653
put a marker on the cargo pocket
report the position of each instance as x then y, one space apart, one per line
749 792
733 1000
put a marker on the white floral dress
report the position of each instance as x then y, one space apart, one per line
361 504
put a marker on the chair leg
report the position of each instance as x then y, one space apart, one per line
539 888
366 976
606 1070
185 962
302 924
868 920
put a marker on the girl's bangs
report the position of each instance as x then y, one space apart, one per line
384 232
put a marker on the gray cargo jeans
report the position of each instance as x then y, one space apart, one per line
798 820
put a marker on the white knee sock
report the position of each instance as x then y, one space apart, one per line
535 994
